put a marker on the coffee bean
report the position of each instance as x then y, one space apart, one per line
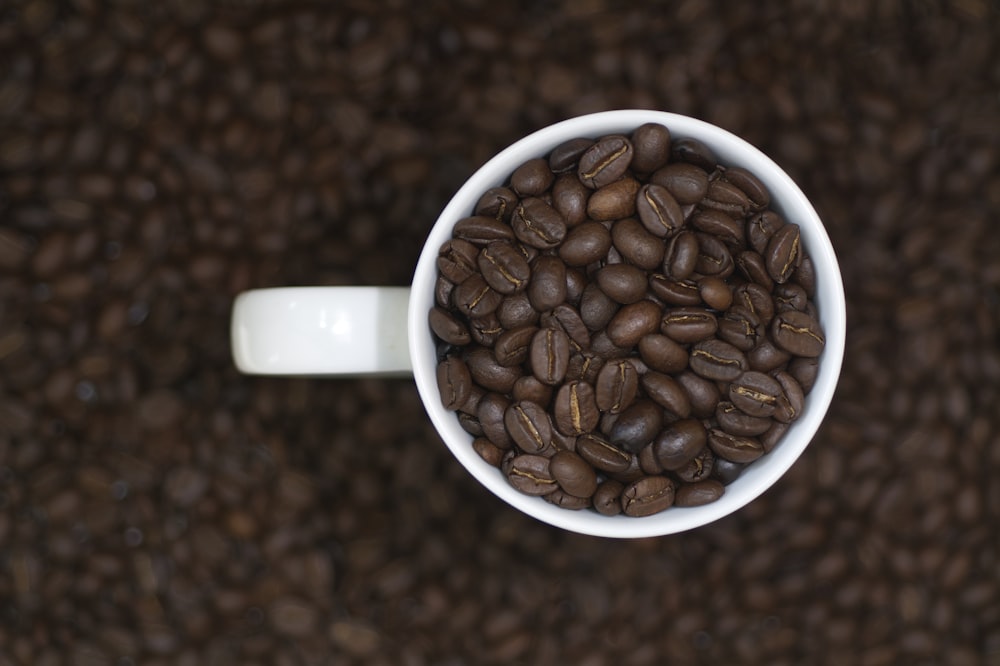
605 162
792 399
662 354
529 426
797 333
647 496
687 325
726 198
565 500
651 147
784 253
737 422
715 293
596 307
475 298
765 357
624 283
679 443
482 229
734 448
699 468
532 178
726 471
447 327
503 267
549 355
681 255
602 454
805 276
573 474
491 411
529 388
632 322
693 152
548 283
585 244
602 346
512 345
667 392
720 224
485 330
443 288
636 244
566 318
515 311
575 409
488 373
497 202
790 296
607 497
616 386
531 474
614 201
674 292
470 423
658 211
569 198
756 300
576 282
750 185
714 258
698 493
454 382
755 393
761 227
537 224
456 260
686 182
584 366
773 435
717 360
805 371
703 393
488 451
637 425
566 155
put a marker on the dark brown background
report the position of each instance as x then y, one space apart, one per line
156 507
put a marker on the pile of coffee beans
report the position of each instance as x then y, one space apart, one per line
625 324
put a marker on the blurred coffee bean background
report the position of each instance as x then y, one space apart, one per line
158 508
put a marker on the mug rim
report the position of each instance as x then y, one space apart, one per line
786 196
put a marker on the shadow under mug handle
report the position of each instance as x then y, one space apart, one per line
322 331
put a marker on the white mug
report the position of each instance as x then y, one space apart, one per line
351 331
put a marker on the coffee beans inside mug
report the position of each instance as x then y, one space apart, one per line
625 324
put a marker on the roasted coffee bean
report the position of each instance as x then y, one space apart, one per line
728 199
624 283
752 266
482 229
715 292
686 182
636 244
457 260
475 298
648 495
447 327
529 388
714 257
792 400
665 391
575 409
755 393
761 227
548 283
488 451
726 471
515 311
660 352
470 405
607 497
487 372
648 462
614 201
576 282
585 244
805 276
681 255
790 296
784 253
490 412
765 357
566 318
584 366
719 224
699 493
651 147
805 371
485 330
529 426
565 500
637 425
602 454
717 360
470 423
750 185
699 468
606 161
512 345
561 442
549 355
737 422
531 474
443 288
773 435
687 325
497 202
573 474
566 155
532 178
674 292
570 197
679 443
602 346
658 211
616 386
797 333
503 267
596 307
694 152
733 447
703 393
632 322
756 300
454 382
537 224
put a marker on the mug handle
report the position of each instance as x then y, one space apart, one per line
321 331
